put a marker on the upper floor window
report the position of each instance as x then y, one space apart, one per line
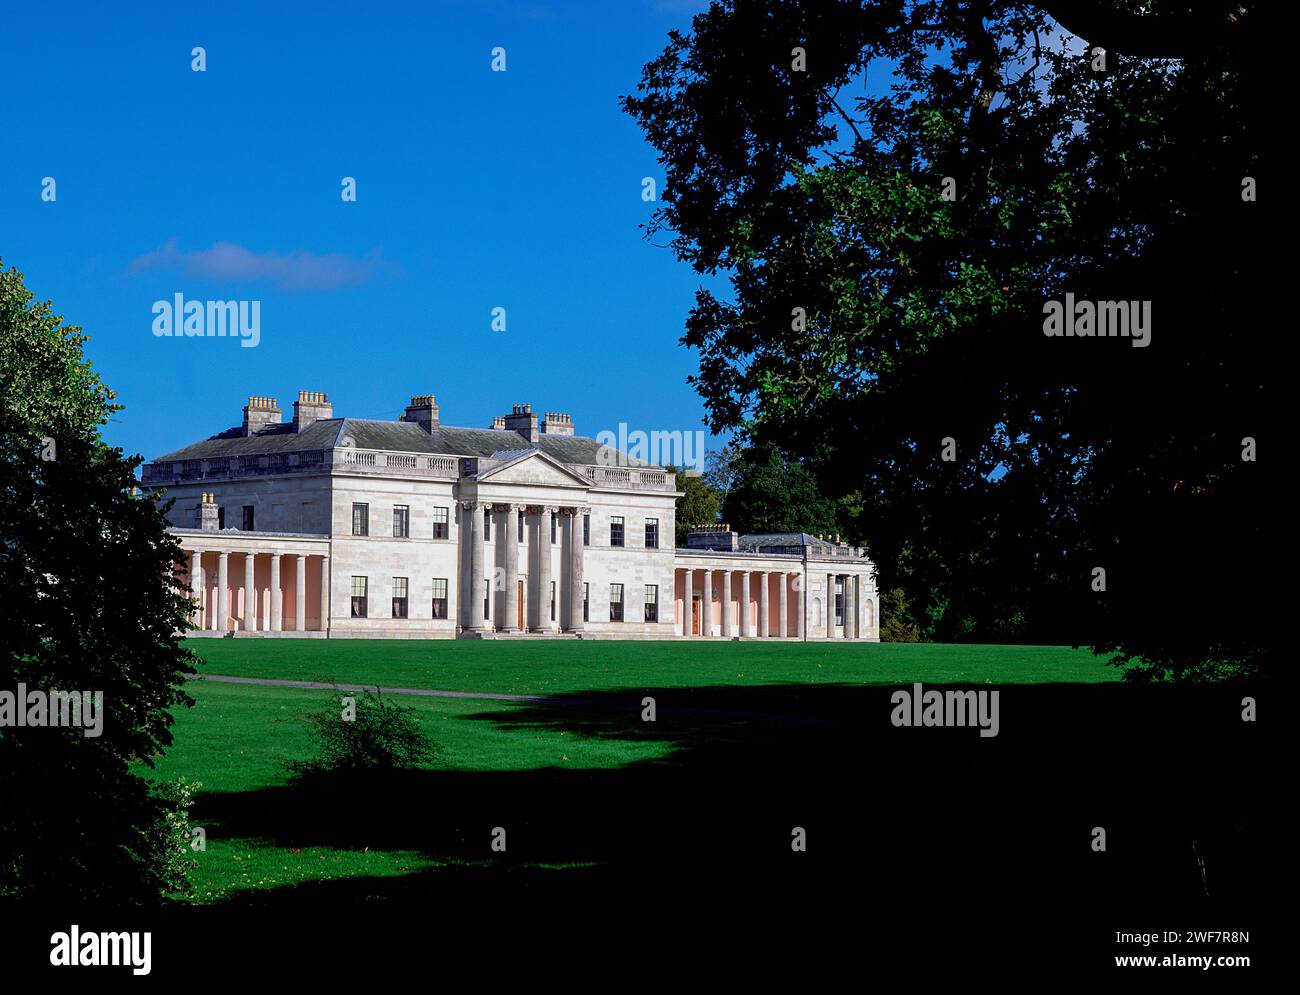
440 523
399 597
248 518
360 519
616 530
401 521
652 533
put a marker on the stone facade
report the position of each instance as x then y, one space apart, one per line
347 527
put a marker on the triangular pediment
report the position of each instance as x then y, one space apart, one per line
535 467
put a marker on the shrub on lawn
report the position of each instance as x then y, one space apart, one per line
365 732
171 837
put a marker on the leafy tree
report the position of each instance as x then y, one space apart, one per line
89 604
776 493
722 468
893 218
699 505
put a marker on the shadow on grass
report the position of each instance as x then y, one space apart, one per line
1175 778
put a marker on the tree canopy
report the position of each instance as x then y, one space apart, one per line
894 193
90 604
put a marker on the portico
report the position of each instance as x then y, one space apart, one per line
257 585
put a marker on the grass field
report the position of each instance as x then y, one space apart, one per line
727 707
567 666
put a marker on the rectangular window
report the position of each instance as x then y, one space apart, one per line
552 601
360 519
839 603
401 521
399 597
586 530
487 524
440 523
586 602
652 602
616 602
359 600
487 600
652 533
616 530
248 518
440 597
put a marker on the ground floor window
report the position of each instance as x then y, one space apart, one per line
487 600
440 597
839 603
652 602
399 597
586 602
359 599
616 602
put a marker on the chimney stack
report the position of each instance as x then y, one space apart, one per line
498 424
523 421
208 514
260 412
422 411
557 423
311 406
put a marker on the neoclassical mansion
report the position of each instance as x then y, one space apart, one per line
349 527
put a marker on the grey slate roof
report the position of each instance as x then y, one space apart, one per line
761 540
391 436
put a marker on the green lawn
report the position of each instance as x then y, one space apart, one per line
236 740
535 762
566 666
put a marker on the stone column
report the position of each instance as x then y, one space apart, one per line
576 623
511 539
802 608
745 628
196 587
688 599
277 596
850 608
300 599
830 606
783 605
726 604
475 593
325 594
764 624
706 605
543 572
250 597
222 579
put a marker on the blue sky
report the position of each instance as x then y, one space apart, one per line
475 190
